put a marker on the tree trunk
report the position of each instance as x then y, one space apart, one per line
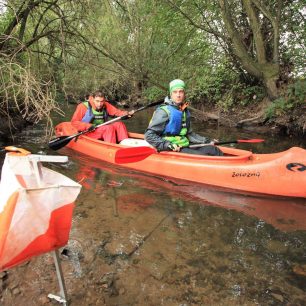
258 65
270 77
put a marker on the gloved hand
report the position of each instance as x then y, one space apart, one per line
174 147
92 128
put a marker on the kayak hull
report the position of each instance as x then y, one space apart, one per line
281 174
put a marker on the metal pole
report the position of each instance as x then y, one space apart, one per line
63 298
59 273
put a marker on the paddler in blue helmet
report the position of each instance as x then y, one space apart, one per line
170 129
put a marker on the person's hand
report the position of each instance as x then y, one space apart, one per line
174 147
131 113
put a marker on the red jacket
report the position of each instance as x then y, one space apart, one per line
81 110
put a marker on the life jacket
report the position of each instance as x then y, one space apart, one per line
176 129
93 116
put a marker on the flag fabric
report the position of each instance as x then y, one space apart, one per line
36 206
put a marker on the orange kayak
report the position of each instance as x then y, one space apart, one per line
281 174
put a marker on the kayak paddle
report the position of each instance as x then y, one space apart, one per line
255 140
61 141
135 154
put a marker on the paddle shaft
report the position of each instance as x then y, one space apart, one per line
227 142
62 141
211 144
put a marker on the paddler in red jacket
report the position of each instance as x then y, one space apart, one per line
96 111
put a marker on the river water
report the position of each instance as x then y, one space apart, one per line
143 240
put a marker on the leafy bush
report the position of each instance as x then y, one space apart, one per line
293 97
297 91
247 94
154 93
278 107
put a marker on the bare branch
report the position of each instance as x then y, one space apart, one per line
20 90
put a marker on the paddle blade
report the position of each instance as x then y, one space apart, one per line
251 140
59 142
132 155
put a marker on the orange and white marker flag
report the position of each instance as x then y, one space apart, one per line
36 206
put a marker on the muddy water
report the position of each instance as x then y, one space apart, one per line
143 240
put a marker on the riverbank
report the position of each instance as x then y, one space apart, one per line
254 118
251 118
10 126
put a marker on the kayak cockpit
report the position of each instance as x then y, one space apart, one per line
229 155
136 139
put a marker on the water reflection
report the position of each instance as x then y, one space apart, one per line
286 214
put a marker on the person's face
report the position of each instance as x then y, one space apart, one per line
99 102
178 96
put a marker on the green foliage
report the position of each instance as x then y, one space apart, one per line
222 87
277 108
245 94
294 97
226 102
4 20
297 92
153 93
209 84
293 42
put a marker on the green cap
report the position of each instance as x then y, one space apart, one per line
176 84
